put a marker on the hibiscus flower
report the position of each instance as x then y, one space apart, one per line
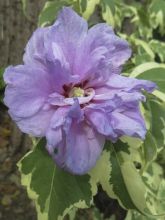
69 90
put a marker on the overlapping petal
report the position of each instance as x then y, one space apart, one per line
82 149
36 125
80 146
113 117
27 89
101 123
35 49
54 132
101 50
68 32
128 122
129 84
64 58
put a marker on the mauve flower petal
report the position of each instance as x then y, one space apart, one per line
59 117
131 100
54 133
129 84
36 125
54 138
80 152
100 122
35 49
68 32
26 92
129 122
88 64
58 55
103 115
56 99
59 100
106 106
118 50
74 113
123 98
60 75
101 50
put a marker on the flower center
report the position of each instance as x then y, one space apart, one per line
76 92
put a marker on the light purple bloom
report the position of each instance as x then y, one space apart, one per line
69 90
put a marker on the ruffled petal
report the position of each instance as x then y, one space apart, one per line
99 120
54 138
54 132
120 98
36 125
68 32
109 116
79 153
129 84
129 123
59 117
118 49
35 49
60 121
80 145
102 53
59 100
27 89
60 75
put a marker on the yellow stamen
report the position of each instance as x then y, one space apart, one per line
76 92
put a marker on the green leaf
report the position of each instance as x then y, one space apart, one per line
98 176
88 7
159 48
157 15
55 191
159 95
154 72
156 75
144 67
134 215
108 11
128 184
153 179
132 141
153 176
157 111
50 11
150 149
161 195
140 58
144 45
